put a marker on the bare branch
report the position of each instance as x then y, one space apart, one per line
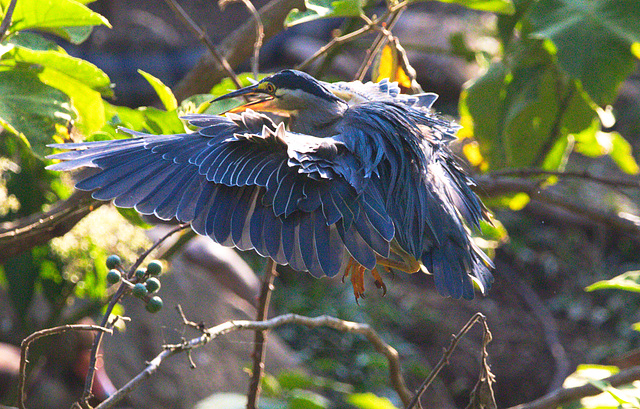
202 36
494 186
259 344
232 326
564 395
124 286
23 234
444 360
234 48
26 343
6 21
532 172
257 45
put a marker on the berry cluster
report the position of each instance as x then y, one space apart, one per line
143 284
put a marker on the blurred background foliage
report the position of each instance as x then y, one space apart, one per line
544 94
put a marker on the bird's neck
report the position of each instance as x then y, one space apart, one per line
319 120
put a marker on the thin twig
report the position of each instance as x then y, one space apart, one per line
88 385
259 344
232 326
26 343
336 41
257 45
444 360
202 36
6 21
380 41
532 172
561 396
496 186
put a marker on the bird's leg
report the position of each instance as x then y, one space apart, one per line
357 280
408 264
351 264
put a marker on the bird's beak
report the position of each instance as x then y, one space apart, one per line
262 103
246 91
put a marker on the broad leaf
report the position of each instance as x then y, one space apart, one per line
51 15
629 281
33 108
369 401
528 102
593 39
72 67
316 9
164 93
494 6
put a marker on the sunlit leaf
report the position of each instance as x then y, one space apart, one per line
164 93
593 40
51 15
528 103
72 67
622 155
629 281
370 401
33 108
494 6
316 9
388 65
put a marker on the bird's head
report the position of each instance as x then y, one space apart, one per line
286 92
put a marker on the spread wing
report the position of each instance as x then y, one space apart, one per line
245 182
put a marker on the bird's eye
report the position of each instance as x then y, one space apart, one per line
270 88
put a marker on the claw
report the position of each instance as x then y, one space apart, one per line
379 281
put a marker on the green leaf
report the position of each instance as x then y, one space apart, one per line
164 92
528 102
622 155
629 281
51 15
369 401
593 39
316 9
494 6
78 69
302 399
134 217
32 108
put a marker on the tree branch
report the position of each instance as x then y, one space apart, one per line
560 396
259 345
23 234
489 185
26 343
124 286
444 360
586 175
204 38
234 48
232 326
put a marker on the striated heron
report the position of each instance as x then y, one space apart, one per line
360 176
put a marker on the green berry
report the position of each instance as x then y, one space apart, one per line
152 284
155 304
154 268
113 261
140 273
139 290
113 276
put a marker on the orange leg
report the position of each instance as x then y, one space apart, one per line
357 280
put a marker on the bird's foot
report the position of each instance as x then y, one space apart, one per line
356 271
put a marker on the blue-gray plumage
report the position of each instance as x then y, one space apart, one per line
360 176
